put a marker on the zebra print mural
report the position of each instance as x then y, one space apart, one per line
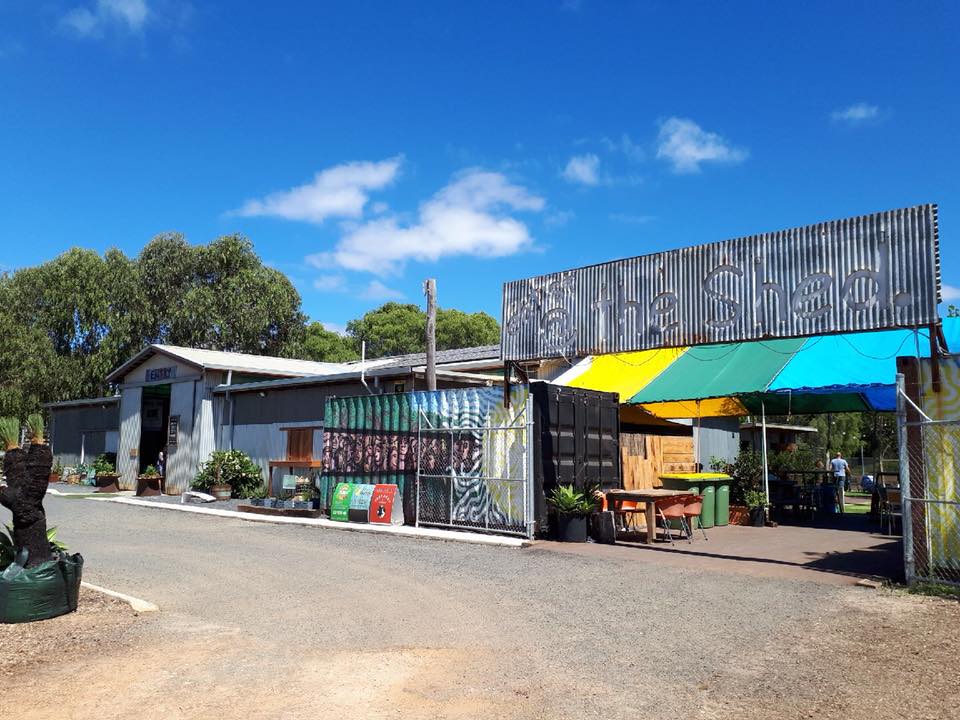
466 448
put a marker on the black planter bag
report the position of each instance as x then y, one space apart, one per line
42 592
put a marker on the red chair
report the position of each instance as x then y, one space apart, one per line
692 507
671 508
626 511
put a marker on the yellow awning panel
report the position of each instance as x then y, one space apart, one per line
626 373
712 407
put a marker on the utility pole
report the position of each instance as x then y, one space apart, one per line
430 290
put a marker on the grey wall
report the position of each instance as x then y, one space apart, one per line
68 425
718 437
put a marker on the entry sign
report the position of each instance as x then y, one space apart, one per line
383 506
360 503
340 503
864 273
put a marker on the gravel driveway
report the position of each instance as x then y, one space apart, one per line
300 622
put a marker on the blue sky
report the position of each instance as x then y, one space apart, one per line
365 146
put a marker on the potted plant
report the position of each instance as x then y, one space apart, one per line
258 498
150 482
108 480
55 473
572 508
35 429
228 473
9 433
757 502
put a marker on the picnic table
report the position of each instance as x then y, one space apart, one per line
647 496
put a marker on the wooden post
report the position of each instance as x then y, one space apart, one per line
430 289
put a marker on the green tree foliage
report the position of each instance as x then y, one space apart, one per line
65 324
327 346
397 329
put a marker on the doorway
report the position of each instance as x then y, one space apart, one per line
154 416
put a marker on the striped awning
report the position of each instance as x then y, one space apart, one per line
828 373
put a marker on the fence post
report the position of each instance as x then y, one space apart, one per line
529 466
416 512
909 565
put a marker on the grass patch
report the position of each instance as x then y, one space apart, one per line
856 509
941 590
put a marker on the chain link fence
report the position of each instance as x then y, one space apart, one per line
930 493
477 478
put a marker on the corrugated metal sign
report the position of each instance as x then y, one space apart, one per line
864 273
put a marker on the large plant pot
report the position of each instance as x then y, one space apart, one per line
149 485
108 483
221 492
739 515
757 517
54 478
571 528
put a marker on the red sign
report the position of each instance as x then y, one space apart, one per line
381 506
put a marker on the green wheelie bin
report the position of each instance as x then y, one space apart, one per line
722 508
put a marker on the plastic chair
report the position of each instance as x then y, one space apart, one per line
671 508
626 509
692 507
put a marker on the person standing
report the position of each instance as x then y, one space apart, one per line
839 468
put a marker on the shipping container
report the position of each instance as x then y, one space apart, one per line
576 441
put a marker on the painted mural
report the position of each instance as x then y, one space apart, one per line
452 436
941 457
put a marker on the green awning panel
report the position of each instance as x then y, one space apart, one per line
713 371
804 403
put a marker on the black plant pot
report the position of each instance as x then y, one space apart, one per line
571 528
757 517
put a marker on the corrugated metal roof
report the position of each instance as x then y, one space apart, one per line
240 362
444 357
110 399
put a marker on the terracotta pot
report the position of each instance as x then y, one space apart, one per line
54 478
739 515
221 492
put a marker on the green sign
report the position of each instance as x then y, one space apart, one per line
340 503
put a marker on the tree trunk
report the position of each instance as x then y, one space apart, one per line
27 474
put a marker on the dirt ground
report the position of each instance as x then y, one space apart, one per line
894 656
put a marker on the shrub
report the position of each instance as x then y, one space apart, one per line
755 499
229 467
564 499
151 471
746 471
35 428
10 432
103 465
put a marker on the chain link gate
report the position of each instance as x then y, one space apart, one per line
476 478
930 491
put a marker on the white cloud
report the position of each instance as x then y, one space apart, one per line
330 283
949 293
582 169
624 145
686 145
855 114
92 21
376 290
559 218
339 191
467 217
333 327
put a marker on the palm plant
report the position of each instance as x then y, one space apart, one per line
10 432
35 428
